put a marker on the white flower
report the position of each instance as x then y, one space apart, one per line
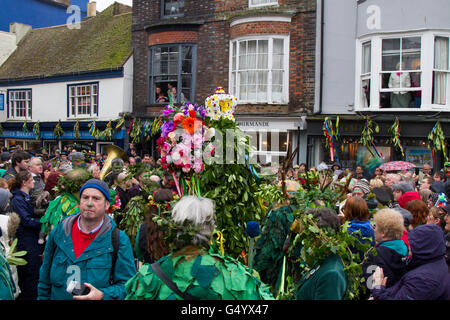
211 132
175 156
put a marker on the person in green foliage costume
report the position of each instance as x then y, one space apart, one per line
193 265
67 202
269 247
326 279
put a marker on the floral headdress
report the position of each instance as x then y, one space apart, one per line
221 104
184 140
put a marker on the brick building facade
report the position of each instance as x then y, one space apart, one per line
213 40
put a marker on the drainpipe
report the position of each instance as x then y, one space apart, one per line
319 57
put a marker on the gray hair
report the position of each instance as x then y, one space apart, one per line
198 212
34 160
92 167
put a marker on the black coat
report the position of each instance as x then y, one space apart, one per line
392 263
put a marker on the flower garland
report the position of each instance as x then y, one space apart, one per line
437 140
394 130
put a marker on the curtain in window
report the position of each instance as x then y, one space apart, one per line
440 63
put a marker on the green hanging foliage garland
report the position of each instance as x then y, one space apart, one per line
58 131
76 130
394 130
25 127
37 130
136 131
437 140
367 137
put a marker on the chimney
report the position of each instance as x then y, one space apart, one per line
19 29
92 9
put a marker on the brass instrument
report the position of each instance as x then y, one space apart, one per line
113 152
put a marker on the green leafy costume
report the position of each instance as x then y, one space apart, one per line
7 287
201 274
64 205
269 247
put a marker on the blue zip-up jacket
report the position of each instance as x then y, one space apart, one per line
93 266
29 226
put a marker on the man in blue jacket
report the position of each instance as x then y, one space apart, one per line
82 249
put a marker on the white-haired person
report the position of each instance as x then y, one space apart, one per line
192 271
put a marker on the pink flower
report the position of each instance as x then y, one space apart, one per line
197 140
186 138
178 118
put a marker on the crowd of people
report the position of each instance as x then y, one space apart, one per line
59 209
405 215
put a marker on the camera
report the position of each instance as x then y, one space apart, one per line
77 289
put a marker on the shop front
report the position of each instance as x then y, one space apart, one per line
14 134
351 153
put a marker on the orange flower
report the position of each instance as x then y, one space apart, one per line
190 125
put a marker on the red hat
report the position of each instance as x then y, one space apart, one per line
407 197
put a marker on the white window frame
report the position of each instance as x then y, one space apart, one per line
92 101
12 101
285 88
447 71
262 151
427 68
269 3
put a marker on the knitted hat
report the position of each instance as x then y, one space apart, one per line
407 197
363 185
407 216
97 184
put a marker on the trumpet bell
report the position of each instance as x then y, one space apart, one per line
113 152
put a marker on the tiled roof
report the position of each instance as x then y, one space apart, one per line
103 42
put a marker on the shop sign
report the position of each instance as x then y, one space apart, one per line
17 134
265 125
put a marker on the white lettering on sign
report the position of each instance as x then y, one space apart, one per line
374 19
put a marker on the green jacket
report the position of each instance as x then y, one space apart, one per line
203 275
328 281
7 287
92 266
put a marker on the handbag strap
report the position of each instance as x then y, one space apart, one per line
164 278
